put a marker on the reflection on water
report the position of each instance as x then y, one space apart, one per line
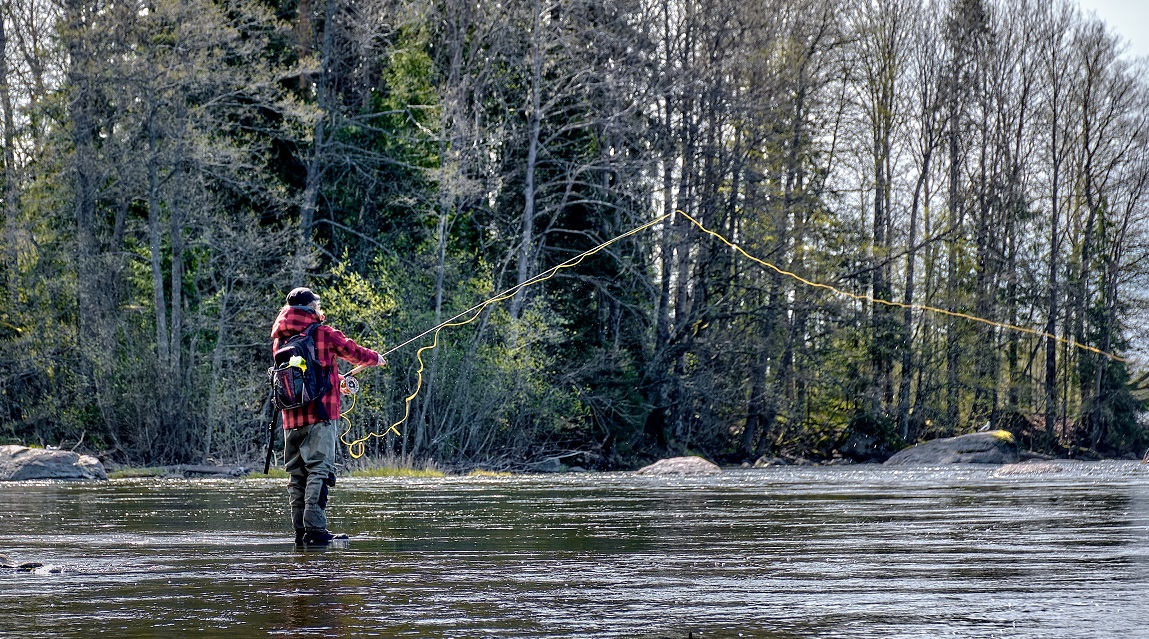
774 553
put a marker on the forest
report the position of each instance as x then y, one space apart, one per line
173 167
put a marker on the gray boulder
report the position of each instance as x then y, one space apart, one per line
991 447
680 466
18 463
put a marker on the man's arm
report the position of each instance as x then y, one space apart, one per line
345 348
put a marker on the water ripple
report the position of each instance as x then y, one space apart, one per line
783 552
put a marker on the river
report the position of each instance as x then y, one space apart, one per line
792 552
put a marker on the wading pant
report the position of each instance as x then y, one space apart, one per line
309 457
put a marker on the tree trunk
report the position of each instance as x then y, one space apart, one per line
534 125
83 125
316 163
214 413
953 345
1054 290
11 177
176 240
155 245
904 384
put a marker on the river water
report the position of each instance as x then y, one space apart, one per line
862 551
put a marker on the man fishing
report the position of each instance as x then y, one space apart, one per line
311 429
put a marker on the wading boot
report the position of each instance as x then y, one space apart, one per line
321 537
299 532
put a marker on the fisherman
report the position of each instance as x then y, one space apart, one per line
310 431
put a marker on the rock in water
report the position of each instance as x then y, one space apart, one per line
991 447
19 463
680 466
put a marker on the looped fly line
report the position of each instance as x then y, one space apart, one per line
356 447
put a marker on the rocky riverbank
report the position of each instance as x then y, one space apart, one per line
24 463
20 463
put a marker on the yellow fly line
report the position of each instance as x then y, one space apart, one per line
916 307
356 447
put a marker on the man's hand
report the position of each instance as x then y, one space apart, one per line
382 361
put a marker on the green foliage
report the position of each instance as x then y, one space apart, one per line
362 304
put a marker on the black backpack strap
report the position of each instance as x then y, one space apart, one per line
325 378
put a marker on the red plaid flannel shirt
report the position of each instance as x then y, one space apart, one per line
331 344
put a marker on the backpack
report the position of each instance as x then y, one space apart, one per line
297 378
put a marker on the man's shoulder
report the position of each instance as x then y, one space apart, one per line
288 322
330 331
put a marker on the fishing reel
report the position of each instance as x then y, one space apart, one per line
349 386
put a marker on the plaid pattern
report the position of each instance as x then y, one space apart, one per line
331 344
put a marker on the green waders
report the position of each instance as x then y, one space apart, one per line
309 458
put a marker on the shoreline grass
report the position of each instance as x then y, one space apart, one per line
398 471
394 466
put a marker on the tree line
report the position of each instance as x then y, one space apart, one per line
173 167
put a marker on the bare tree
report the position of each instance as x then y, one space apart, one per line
926 61
1057 22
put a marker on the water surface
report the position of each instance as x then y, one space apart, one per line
862 551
